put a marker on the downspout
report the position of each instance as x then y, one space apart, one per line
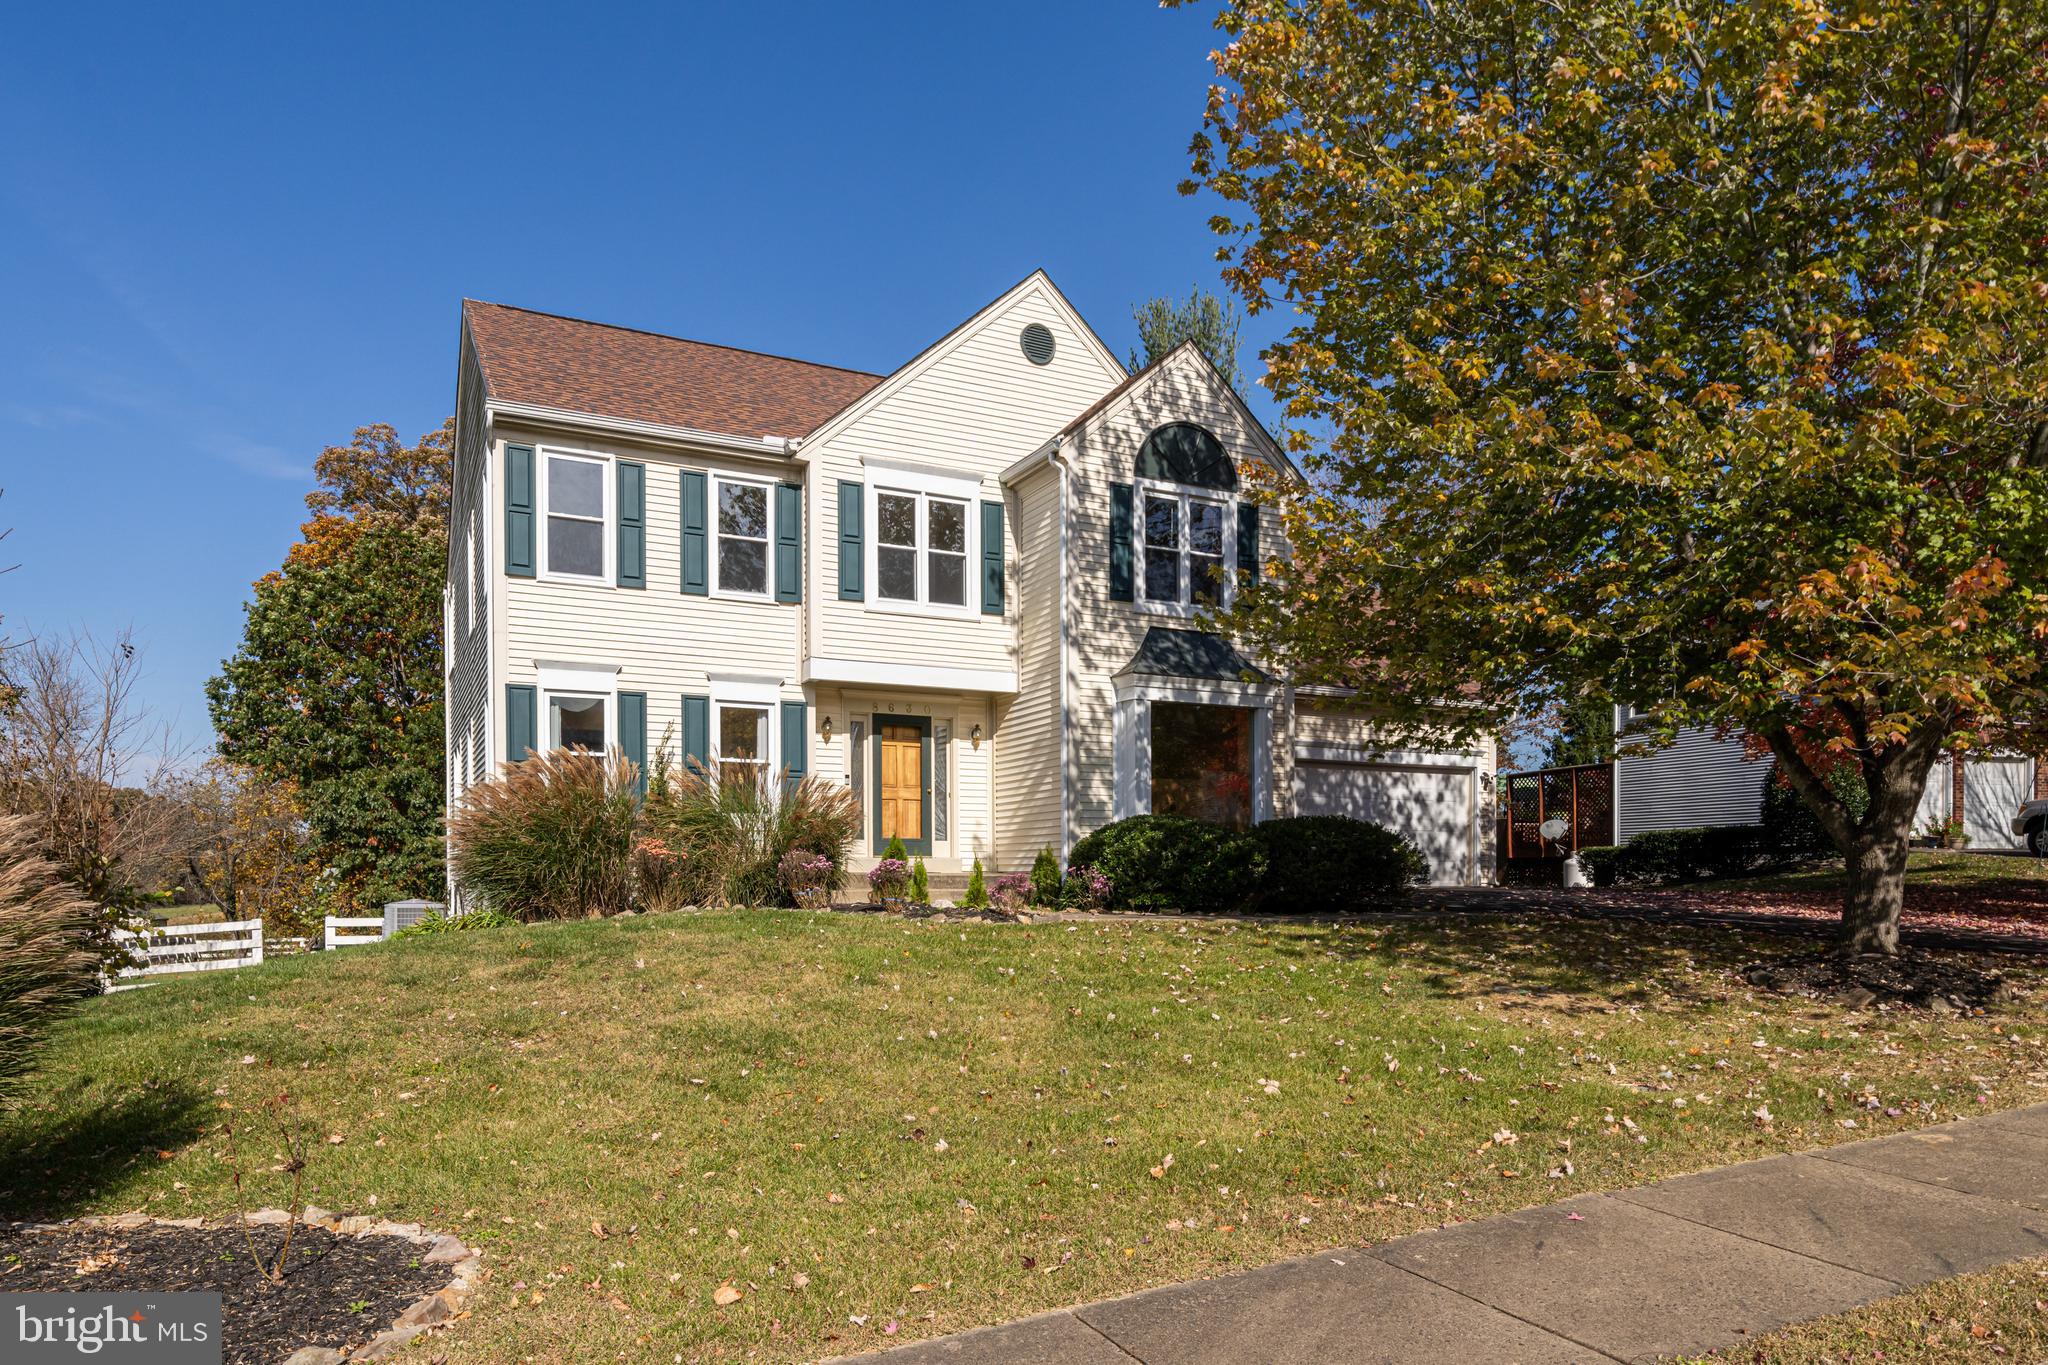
1056 454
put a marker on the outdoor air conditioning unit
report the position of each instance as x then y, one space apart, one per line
404 914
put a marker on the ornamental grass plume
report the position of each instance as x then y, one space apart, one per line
44 964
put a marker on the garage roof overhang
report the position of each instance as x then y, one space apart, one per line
1200 655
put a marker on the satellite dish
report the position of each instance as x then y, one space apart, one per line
1554 828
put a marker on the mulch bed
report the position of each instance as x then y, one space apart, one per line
1917 982
337 1291
2010 919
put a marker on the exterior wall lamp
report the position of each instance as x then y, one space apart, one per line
974 736
825 729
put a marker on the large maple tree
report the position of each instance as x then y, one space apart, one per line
1685 352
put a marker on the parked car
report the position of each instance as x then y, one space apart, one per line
2030 822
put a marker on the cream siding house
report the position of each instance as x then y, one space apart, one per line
970 590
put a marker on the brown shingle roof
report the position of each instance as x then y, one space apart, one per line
591 367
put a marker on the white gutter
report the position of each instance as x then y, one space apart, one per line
1045 454
773 446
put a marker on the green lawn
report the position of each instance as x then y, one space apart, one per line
2000 1315
1924 867
863 1123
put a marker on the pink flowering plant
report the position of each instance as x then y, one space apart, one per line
1087 889
809 876
1011 893
889 878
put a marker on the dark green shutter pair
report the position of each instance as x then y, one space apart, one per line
852 549
788 542
1122 516
522 725
521 530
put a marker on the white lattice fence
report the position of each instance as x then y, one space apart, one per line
188 948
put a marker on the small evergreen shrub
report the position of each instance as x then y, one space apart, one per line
1324 863
551 837
1046 882
920 884
1169 862
1601 863
976 897
895 849
1661 856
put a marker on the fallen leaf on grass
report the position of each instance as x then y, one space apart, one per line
725 1296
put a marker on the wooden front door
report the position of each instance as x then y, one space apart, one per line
900 790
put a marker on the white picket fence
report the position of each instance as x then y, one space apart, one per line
348 931
188 948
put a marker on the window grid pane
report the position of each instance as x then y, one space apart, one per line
896 520
948 579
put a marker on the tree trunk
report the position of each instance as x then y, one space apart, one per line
1875 892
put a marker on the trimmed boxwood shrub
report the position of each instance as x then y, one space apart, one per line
1332 863
1311 864
1690 855
1602 863
1169 862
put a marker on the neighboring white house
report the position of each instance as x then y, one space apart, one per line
971 589
1704 778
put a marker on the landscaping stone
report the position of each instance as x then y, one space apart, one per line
427 1312
446 1250
129 1221
385 1345
355 1225
315 1355
262 1217
317 1215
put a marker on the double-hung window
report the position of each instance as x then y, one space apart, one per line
576 495
923 542
743 741
743 533
1186 543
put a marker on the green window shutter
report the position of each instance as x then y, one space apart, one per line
633 731
519 511
789 542
992 559
696 539
851 551
1248 538
696 734
632 525
796 735
520 704
1121 502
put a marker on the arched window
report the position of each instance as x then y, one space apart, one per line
1183 453
1186 519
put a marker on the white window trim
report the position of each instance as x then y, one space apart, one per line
1131 735
558 679
924 485
608 536
478 567
718 588
1186 608
754 694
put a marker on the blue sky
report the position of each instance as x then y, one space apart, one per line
229 236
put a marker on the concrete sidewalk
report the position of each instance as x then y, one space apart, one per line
1679 1267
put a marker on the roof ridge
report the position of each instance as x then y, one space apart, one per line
670 336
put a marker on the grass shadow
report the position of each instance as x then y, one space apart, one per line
68 1148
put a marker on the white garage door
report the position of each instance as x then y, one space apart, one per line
1993 788
1432 807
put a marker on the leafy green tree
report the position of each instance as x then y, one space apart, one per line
337 684
1584 733
1211 323
1690 353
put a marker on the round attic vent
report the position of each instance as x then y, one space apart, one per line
1037 343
